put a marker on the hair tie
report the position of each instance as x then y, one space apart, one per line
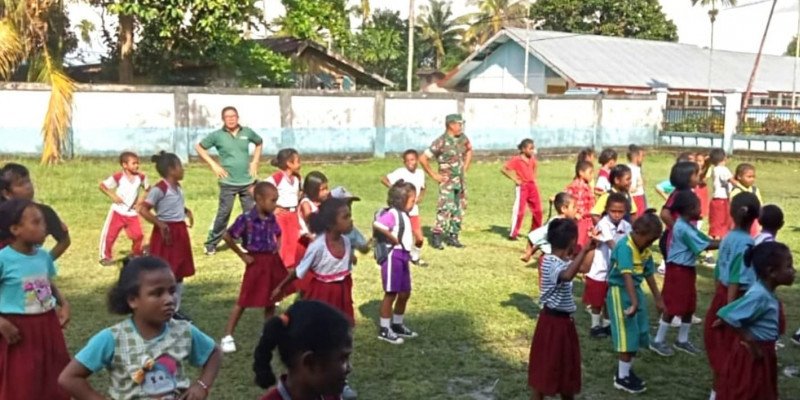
285 319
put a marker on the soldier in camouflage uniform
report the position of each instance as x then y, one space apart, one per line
453 153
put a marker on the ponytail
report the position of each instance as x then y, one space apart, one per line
271 336
748 255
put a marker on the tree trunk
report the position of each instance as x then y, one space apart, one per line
753 75
126 49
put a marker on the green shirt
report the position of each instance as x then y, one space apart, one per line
234 153
627 259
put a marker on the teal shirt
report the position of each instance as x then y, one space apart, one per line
234 153
687 243
758 311
25 282
627 259
730 266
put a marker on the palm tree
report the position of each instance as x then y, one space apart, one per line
492 16
712 15
439 28
757 63
23 39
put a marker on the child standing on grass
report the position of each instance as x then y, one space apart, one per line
665 187
537 239
260 235
611 229
631 263
15 183
170 238
586 154
415 176
288 181
751 372
554 366
635 161
123 214
315 191
718 215
746 183
621 183
32 347
580 189
146 353
771 221
521 169
357 239
392 225
684 177
608 159
702 188
314 342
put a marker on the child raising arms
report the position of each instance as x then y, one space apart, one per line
145 353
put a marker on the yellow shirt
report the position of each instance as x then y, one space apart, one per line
600 206
738 188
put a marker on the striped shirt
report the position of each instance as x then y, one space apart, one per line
556 294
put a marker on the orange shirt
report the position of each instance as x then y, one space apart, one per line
525 170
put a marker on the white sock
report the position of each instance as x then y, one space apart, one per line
663 328
397 319
798 332
415 253
624 369
385 322
713 395
178 295
683 332
596 318
606 322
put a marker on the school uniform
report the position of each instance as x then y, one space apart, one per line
56 228
596 280
416 178
603 183
679 291
666 237
123 216
280 392
332 282
600 206
630 333
638 195
554 365
260 238
170 205
584 201
30 368
719 214
303 241
744 377
288 200
395 271
762 237
526 194
538 238
737 189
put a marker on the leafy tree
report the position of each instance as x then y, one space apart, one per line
439 29
307 19
380 46
492 16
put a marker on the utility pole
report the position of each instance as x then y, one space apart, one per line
796 51
410 67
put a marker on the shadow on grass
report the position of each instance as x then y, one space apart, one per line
498 230
524 303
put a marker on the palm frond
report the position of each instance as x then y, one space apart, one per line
58 119
11 51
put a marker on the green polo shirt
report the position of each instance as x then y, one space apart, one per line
234 153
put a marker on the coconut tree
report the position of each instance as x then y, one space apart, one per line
438 28
23 40
757 63
492 16
712 15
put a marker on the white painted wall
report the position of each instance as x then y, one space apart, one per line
504 71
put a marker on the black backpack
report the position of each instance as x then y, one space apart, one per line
382 246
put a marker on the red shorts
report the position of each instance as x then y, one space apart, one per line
416 225
338 295
260 279
594 293
719 339
679 291
178 252
745 378
290 234
701 191
719 218
641 205
554 366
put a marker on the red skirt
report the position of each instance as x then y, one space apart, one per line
290 235
260 279
718 340
585 226
679 291
701 191
554 366
302 284
178 252
338 295
719 218
745 378
641 205
30 369
594 293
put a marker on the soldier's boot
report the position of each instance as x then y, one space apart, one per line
436 241
452 241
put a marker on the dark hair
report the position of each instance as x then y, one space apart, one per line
262 188
126 156
716 156
680 176
745 209
616 198
633 151
559 201
307 326
325 218
283 158
165 162
313 183
742 168
585 153
399 193
648 224
607 155
9 173
618 172
765 256
684 201
410 151
581 166
11 214
561 233
771 218
229 108
684 156
127 285
524 143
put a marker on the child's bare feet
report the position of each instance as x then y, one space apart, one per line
525 258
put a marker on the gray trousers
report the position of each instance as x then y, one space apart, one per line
227 195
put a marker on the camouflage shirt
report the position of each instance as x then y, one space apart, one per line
449 152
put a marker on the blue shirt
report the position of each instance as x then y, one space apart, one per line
730 266
627 259
687 243
757 311
666 186
357 240
25 282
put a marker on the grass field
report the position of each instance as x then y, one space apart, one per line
474 308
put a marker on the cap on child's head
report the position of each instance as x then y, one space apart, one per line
340 192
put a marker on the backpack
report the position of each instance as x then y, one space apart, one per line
382 246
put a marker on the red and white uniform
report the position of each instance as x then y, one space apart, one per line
123 216
288 198
527 194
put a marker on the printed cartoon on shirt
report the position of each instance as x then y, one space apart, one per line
158 378
38 295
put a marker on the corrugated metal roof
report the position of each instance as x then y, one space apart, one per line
604 61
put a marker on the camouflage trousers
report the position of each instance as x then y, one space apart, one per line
450 208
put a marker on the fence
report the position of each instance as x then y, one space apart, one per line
775 122
694 120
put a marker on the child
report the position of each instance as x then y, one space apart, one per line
631 263
586 154
32 347
621 183
288 181
315 191
395 274
635 161
554 366
610 230
665 187
260 236
170 238
732 280
357 239
15 183
122 214
608 159
751 372
684 177
702 192
718 216
416 177
314 342
521 169
537 239
680 291
771 221
581 190
745 181
146 353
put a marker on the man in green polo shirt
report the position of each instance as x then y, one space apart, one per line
236 170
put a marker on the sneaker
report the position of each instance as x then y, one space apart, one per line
662 268
179 316
661 349
107 262
402 330
687 347
227 344
348 392
607 330
629 384
436 241
210 250
796 339
598 332
637 379
696 320
709 259
387 335
420 263
513 238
